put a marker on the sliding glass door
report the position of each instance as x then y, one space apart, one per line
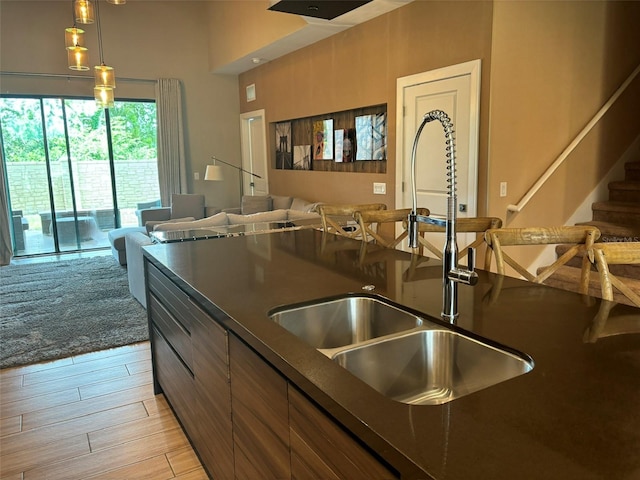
75 171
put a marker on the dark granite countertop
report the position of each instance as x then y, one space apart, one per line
576 415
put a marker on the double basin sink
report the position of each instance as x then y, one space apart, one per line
407 357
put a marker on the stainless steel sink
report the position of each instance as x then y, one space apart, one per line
348 320
406 357
431 367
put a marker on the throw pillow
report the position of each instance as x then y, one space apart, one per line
273 216
303 206
256 203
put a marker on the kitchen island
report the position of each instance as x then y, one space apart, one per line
576 415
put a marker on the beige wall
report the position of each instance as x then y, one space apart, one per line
359 67
554 65
259 28
547 68
142 40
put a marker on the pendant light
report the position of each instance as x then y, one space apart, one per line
78 58
117 2
77 53
83 11
73 37
105 76
104 97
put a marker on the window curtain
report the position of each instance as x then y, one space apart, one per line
172 171
6 252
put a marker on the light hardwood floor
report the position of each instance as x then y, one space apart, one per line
93 416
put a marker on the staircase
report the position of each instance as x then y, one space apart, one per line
618 220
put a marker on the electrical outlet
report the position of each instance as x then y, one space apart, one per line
503 189
379 188
196 175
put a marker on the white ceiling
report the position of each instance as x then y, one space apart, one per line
315 30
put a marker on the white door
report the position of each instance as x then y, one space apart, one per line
456 91
254 153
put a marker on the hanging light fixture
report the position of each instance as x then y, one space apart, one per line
83 11
117 2
104 97
78 58
77 53
73 37
105 76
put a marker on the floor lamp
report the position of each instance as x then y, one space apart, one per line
214 173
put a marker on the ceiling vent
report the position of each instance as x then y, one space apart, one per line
326 9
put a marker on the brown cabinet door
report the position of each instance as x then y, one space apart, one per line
321 449
260 416
214 438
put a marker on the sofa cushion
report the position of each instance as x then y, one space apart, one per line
281 202
187 205
151 226
298 215
217 220
273 216
256 203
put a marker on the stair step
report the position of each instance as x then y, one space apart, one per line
632 171
613 232
624 192
627 271
568 278
623 213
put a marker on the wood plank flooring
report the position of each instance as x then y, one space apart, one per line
93 416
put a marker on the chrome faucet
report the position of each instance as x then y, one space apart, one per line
451 273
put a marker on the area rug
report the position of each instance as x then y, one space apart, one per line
63 308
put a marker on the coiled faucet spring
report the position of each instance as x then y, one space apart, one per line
451 273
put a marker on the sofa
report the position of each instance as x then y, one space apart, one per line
253 209
184 207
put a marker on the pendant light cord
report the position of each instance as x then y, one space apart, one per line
99 32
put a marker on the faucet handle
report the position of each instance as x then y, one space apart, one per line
471 259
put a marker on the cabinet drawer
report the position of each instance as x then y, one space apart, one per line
174 299
172 329
177 302
175 379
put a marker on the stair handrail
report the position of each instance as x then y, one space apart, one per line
567 151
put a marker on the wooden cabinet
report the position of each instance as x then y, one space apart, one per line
244 419
191 366
260 416
321 449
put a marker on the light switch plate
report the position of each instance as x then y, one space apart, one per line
196 175
379 188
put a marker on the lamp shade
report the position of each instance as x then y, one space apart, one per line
83 11
73 37
104 97
105 76
213 173
117 2
78 58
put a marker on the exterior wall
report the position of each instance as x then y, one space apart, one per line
28 180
